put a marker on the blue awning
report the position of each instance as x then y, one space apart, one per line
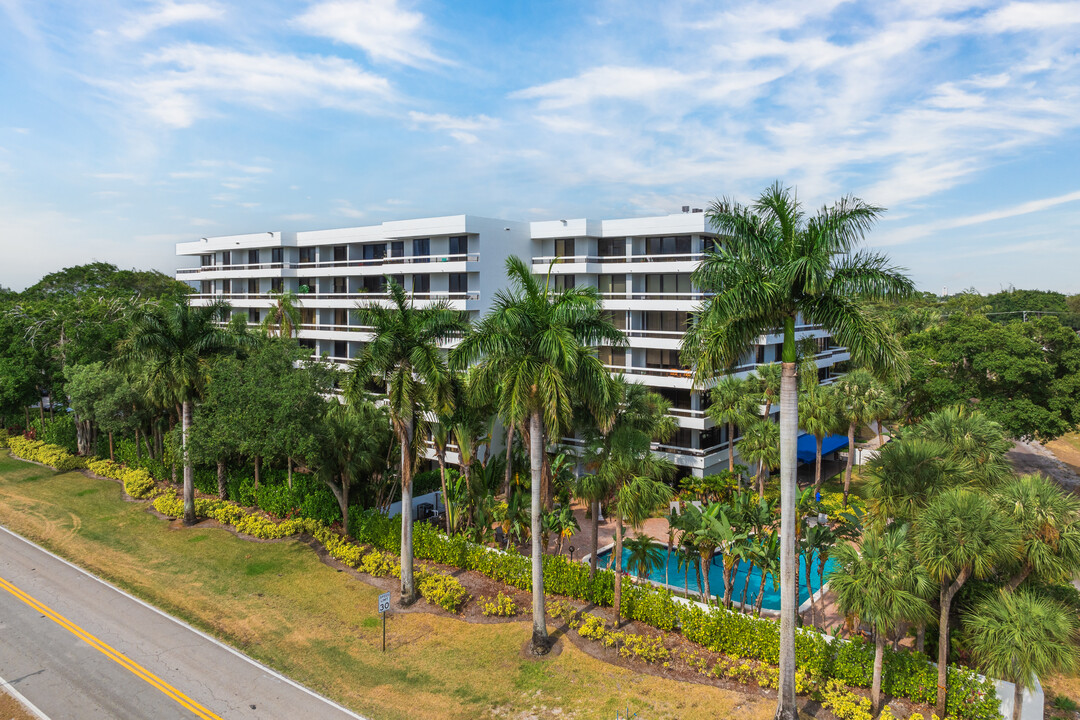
807 450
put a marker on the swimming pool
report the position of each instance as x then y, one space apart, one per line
771 601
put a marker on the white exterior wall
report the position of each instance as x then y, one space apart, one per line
490 242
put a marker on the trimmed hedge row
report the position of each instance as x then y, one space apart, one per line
40 452
137 482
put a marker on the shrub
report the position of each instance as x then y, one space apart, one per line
137 482
41 452
843 704
444 591
379 564
3 437
499 606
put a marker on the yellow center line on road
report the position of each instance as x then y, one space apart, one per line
110 653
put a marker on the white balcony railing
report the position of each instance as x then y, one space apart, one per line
643 295
658 258
340 296
366 262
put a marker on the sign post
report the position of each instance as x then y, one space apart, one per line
384 605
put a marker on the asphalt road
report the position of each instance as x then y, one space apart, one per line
77 648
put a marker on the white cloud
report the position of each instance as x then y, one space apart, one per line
608 83
186 82
298 216
1032 16
462 129
202 222
345 208
381 28
166 14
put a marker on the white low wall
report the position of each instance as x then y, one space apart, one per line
432 498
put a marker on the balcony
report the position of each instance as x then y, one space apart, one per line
432 296
363 263
236 267
546 260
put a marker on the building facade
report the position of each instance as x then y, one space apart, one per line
641 267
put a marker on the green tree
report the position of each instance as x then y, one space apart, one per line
355 440
880 582
1021 637
102 399
760 443
907 473
283 319
535 359
1049 522
642 555
773 266
733 405
175 342
971 436
818 416
857 401
405 358
959 536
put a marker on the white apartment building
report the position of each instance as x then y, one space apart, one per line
641 267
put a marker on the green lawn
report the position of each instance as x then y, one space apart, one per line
278 603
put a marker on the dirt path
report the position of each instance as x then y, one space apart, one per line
1032 456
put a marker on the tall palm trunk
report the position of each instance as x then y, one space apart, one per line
138 450
810 588
731 450
189 471
786 707
850 460
440 453
595 537
258 462
509 458
221 491
618 570
729 579
744 601
706 565
949 588
1018 700
879 658
760 594
536 452
112 454
408 587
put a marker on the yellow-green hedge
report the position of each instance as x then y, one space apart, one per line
137 482
39 452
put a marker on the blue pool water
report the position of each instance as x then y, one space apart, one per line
771 600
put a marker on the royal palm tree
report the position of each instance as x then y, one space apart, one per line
1048 518
1021 637
959 536
772 266
404 357
283 319
881 583
733 405
535 360
175 342
817 415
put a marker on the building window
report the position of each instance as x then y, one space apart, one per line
397 248
680 399
615 357
459 283
563 282
276 284
611 283
376 251
307 316
253 286
253 316
206 287
673 321
341 316
617 318
459 245
611 247
226 286
421 249
376 284
277 255
678 245
662 359
253 257
341 255
307 255
226 258
760 356
564 247
341 285
206 260
305 285
421 283
341 349
669 283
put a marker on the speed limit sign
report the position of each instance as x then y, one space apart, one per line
384 602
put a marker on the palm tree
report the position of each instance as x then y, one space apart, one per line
404 357
733 405
355 443
592 489
1049 523
880 582
534 357
767 378
440 439
767 560
760 443
283 320
857 396
175 342
1021 637
817 415
971 436
906 474
961 535
643 555
773 266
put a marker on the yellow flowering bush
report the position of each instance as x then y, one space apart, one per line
444 591
52 455
378 564
499 606
843 704
137 482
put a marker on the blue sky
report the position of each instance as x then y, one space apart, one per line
128 126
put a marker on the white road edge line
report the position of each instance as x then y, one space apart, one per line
195 630
20 698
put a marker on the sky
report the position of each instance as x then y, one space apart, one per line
126 127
